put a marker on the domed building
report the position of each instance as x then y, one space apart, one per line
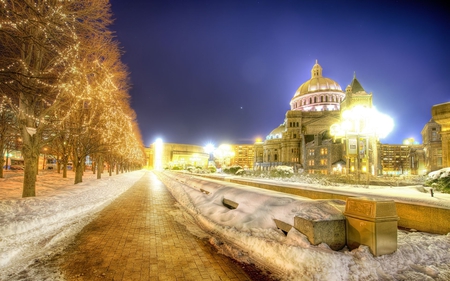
302 140
318 93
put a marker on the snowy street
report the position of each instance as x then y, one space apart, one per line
35 228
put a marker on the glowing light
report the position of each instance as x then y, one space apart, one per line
209 148
360 120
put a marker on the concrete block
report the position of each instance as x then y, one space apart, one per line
330 232
285 227
229 204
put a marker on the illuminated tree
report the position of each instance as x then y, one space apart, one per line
62 77
8 133
40 43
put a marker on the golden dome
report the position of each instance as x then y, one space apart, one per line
277 133
317 83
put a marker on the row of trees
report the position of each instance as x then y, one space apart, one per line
63 85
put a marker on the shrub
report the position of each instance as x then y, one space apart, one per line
440 180
282 172
212 169
232 170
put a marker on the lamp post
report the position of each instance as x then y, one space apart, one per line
224 153
209 148
357 126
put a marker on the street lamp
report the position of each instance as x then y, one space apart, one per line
209 148
357 126
224 153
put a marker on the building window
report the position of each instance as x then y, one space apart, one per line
434 135
311 162
295 136
324 151
311 152
323 161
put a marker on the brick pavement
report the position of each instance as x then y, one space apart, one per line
135 238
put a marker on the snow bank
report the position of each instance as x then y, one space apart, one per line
29 227
248 234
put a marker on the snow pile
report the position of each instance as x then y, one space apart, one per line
442 173
32 227
248 234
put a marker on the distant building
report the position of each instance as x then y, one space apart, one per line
303 140
323 156
441 115
314 108
243 155
401 159
171 155
432 146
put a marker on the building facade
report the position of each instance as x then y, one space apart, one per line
173 155
401 159
313 109
432 146
243 155
441 115
303 140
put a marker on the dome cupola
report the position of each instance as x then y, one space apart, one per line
318 93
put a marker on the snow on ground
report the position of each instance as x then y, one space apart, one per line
248 234
414 193
34 227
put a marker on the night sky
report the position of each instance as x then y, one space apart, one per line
225 71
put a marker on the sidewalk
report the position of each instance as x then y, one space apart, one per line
136 238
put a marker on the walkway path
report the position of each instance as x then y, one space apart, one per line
135 238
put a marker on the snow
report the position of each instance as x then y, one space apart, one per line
249 234
34 227
442 173
31 228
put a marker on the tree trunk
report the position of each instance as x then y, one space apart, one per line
99 167
2 162
58 165
78 170
31 160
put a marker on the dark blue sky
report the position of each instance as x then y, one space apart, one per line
195 64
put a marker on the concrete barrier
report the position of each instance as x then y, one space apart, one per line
421 217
